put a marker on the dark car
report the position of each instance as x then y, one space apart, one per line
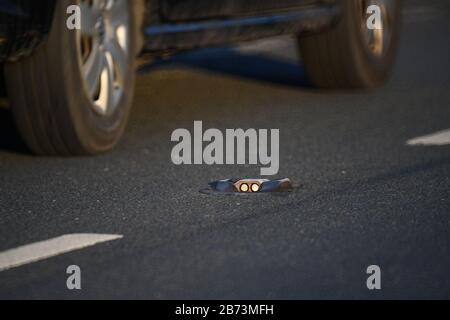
70 89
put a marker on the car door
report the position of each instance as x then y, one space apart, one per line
183 10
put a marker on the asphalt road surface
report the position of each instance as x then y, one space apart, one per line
366 197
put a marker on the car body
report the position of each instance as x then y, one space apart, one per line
177 24
46 64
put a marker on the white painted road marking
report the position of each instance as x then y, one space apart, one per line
440 138
50 248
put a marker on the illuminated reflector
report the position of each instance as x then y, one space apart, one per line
255 187
244 187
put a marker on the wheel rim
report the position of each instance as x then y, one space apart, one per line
103 49
378 40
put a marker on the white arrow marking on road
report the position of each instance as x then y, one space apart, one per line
50 248
440 138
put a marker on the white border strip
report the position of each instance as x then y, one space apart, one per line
50 248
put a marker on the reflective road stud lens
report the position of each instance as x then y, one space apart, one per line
250 186
244 187
255 187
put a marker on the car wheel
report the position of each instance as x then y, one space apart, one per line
72 96
349 54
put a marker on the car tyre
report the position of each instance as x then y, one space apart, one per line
349 55
55 93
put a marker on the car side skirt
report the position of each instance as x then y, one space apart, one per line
195 34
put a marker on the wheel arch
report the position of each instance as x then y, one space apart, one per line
25 26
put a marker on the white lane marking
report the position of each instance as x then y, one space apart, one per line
440 138
50 248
